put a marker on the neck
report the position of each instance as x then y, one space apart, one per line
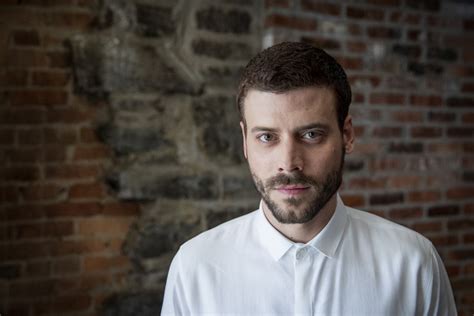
304 232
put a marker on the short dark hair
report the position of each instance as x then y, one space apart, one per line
291 65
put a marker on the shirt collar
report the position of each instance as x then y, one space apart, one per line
325 242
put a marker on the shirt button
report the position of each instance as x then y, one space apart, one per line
300 253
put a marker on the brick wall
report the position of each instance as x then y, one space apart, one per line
61 231
119 135
411 66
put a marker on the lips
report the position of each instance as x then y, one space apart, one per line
292 189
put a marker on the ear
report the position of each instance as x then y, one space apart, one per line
244 138
348 135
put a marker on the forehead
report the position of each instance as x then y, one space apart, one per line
298 106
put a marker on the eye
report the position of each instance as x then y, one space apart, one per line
310 135
266 138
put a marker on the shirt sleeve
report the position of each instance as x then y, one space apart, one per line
174 301
439 295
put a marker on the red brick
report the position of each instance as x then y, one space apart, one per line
406 213
24 250
354 29
16 78
60 136
291 22
468 87
69 116
27 58
58 59
62 305
23 116
79 247
38 97
23 155
460 193
468 118
54 153
26 38
358 98
72 209
385 164
350 63
443 210
407 116
381 32
453 270
444 240
426 100
30 136
461 254
387 131
50 79
367 183
359 131
121 209
425 227
87 191
25 173
469 209
7 136
355 80
42 191
441 116
456 225
32 289
88 135
387 98
424 196
384 2
97 152
413 35
321 7
457 132
353 200
28 231
467 162
38 269
365 13
445 148
25 211
102 264
66 266
106 226
404 181
58 229
277 3
468 147
321 42
426 132
356 47
468 238
468 24
70 20
72 171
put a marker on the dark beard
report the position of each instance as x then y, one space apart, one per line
324 191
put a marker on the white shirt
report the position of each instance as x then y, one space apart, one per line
359 264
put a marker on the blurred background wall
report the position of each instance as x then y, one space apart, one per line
119 135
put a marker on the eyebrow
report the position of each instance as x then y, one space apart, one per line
299 128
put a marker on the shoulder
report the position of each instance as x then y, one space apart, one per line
387 234
224 236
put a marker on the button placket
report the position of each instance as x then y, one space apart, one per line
302 266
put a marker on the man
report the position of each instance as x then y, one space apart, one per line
303 252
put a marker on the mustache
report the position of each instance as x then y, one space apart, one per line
290 179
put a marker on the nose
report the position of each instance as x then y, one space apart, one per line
291 159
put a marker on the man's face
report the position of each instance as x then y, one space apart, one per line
295 150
